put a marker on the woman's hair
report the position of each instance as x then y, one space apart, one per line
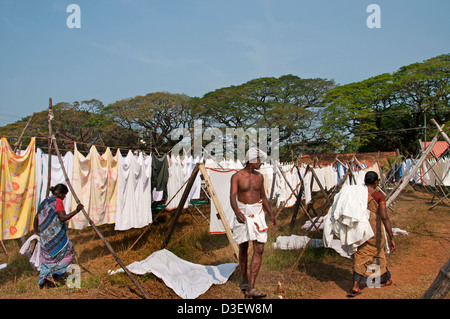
59 189
370 178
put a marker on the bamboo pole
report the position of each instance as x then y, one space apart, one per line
19 141
444 135
108 246
50 142
412 172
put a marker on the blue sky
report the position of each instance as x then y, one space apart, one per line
126 48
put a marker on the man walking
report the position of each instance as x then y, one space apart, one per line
248 201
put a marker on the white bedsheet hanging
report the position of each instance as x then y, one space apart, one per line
57 175
221 182
133 191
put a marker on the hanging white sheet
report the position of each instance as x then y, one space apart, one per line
134 198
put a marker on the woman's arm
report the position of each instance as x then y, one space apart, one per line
63 217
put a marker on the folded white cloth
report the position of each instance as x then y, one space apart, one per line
26 247
187 279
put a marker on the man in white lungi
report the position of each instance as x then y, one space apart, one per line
248 200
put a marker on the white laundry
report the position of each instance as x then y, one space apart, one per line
348 219
57 175
35 257
299 242
317 221
189 166
307 186
398 231
188 280
134 197
175 184
221 182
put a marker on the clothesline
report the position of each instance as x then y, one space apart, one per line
121 189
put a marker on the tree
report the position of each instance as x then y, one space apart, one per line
82 122
288 103
154 115
388 111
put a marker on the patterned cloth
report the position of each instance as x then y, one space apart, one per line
94 180
57 252
17 190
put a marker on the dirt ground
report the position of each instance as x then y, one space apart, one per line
320 273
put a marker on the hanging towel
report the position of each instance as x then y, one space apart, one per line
160 175
187 279
221 182
95 183
57 175
175 184
17 191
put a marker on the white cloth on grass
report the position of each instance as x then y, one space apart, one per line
186 279
299 242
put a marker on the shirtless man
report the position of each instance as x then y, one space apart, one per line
248 199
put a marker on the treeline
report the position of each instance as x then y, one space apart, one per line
386 112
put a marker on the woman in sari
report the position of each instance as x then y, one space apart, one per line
57 252
372 252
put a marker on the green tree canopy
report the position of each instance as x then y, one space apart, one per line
154 115
388 111
288 103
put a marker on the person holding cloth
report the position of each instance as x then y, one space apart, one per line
372 252
56 250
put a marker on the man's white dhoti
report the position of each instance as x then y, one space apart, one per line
255 227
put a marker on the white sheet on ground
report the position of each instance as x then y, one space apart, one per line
299 242
187 279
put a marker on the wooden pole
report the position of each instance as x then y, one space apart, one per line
444 135
180 207
441 285
4 248
19 141
216 202
108 246
50 141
